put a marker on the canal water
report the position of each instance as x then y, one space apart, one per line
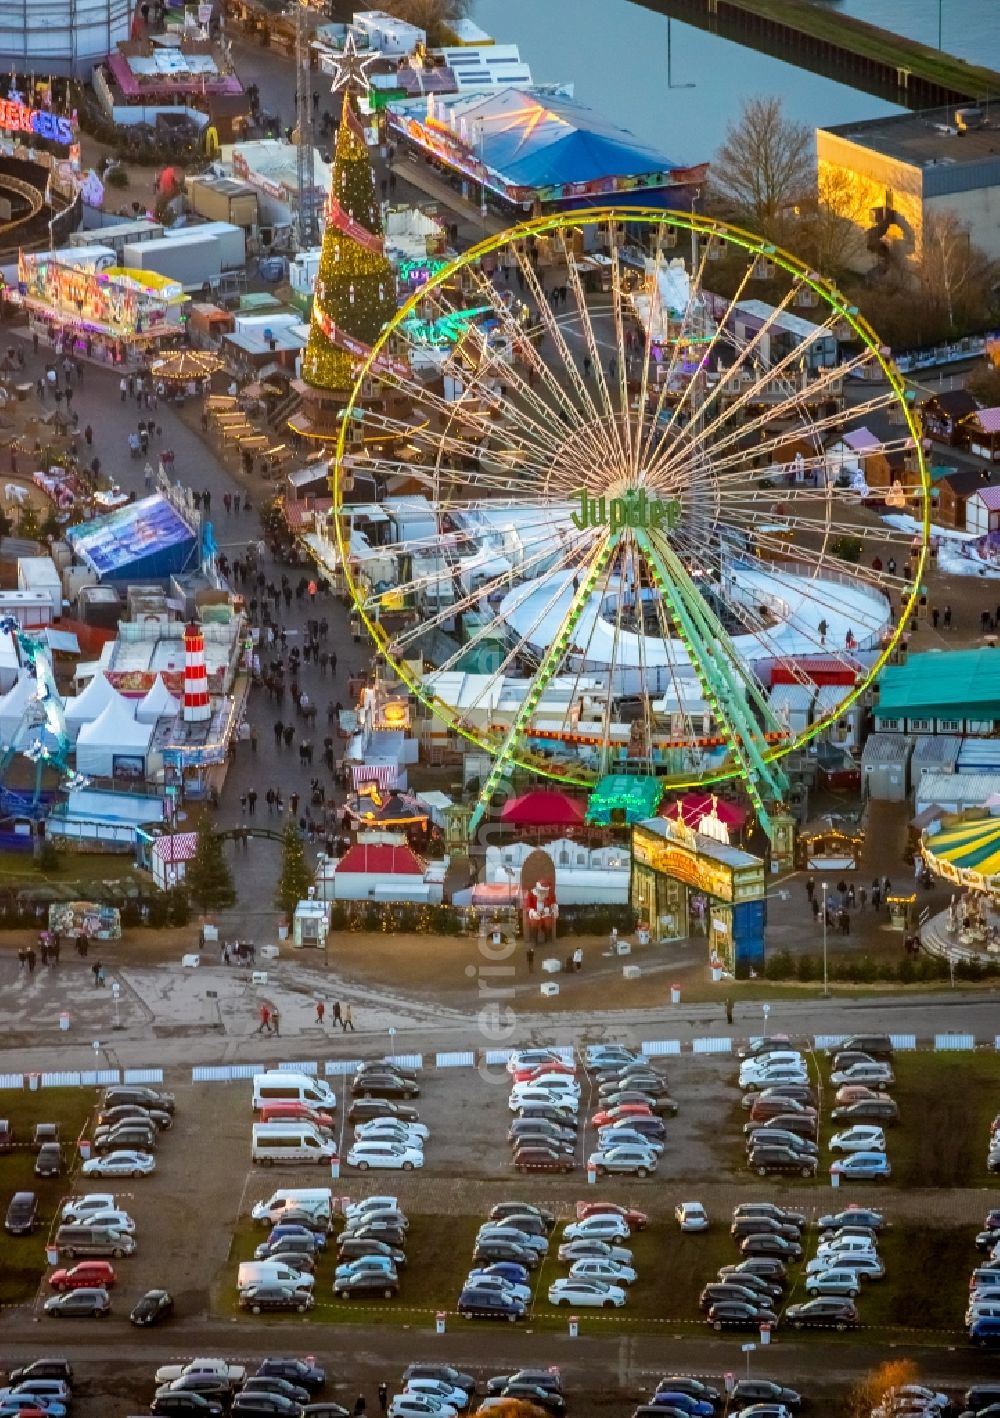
615 52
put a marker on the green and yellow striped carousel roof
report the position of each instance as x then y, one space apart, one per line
969 846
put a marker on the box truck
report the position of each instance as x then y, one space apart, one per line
194 262
118 236
231 241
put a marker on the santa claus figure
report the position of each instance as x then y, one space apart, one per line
542 912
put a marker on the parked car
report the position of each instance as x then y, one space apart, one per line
738 1314
852 1216
22 1214
767 1135
303 1372
660 1104
260 1298
139 1095
383 1083
132 1112
827 1311
76 1304
166 1404
607 1226
870 1166
593 1294
364 1109
490 1249
865 1110
594 1250
365 1279
48 1163
353 1247
865 1265
835 1281
769 1208
478 1303
746 1391
775 1246
152 1308
624 1159
863 1137
872 1074
636 1220
878 1046
767 1158
86 1274
539 1157
122 1162
691 1216
609 1271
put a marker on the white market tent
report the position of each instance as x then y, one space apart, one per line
13 706
91 704
158 703
114 734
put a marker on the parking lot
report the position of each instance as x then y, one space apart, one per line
193 1227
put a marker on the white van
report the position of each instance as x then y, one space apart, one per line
272 1272
290 1142
292 1088
316 1201
847 1246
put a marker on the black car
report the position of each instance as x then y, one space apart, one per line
762 1226
353 1247
209 1385
877 1046
976 1398
737 1314
766 1290
385 1065
548 1112
868 1110
645 1082
763 1245
694 1388
768 1208
363 1110
185 1405
265 1405
663 1106
307 1375
802 1093
844 1058
548 1379
504 1209
48 1163
803 1124
648 1127
367 1282
22 1214
155 1305
133 1113
138 1097
275 1383
484 1304
488 1251
529 1157
276 1297
749 1391
325 1410
443 1373
383 1084
539 1130
376 1230
767 1135
767 1159
827 1311
775 1279
852 1216
42 1369
719 1291
126 1138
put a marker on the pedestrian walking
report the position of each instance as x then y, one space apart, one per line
269 799
32 960
95 970
275 1021
347 1019
529 955
947 617
335 1014
320 1011
360 1407
935 616
243 803
264 1027
383 1397
279 730
252 801
123 386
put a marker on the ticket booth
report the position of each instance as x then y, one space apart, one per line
687 884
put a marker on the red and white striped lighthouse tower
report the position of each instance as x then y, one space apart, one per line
197 706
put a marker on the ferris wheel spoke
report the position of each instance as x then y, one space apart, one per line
548 667
593 353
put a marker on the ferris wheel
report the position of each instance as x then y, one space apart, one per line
590 496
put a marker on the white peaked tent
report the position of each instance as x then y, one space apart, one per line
158 703
89 705
13 704
113 734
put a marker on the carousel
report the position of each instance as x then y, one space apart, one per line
966 852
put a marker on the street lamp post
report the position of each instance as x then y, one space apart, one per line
825 989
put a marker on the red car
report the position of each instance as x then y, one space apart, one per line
623 1110
637 1220
86 1273
528 1075
279 1112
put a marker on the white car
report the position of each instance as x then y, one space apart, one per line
399 1132
377 1126
483 1279
357 1209
624 1159
605 1226
530 1094
867 1266
834 1282
512 1231
691 1216
864 1137
561 1084
594 1250
120 1164
435 1388
752 1069
873 1074
617 1136
117 1220
80 1208
592 1293
607 1270
393 1156
832 1254
420 1405
533 1058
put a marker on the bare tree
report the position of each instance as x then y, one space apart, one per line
765 168
436 17
954 276
832 230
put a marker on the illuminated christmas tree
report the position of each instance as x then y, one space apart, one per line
355 288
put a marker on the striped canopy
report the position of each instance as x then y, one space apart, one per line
967 852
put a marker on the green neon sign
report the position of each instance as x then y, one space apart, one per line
633 509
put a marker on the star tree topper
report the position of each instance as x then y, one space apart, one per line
350 69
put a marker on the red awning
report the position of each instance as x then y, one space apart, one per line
544 809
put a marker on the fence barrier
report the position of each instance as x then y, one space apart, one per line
143 1075
459 1060
340 1068
903 1041
406 1060
712 1046
499 1056
312 1069
954 1041
659 1048
829 1041
11 1080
